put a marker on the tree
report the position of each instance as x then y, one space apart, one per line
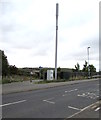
13 70
58 72
6 68
92 68
77 67
85 67
59 69
5 64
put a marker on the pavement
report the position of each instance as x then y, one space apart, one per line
29 86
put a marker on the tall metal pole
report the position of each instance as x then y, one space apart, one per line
56 41
88 63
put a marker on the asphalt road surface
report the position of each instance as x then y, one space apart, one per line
69 101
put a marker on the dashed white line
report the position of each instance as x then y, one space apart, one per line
82 95
74 108
12 103
48 100
71 90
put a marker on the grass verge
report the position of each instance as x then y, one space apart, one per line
15 78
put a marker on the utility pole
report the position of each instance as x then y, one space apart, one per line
56 41
88 63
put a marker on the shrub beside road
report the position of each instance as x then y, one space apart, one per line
16 78
10 73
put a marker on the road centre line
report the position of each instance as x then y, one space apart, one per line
12 103
74 108
48 100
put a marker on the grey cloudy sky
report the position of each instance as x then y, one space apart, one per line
27 32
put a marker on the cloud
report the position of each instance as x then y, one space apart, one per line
28 31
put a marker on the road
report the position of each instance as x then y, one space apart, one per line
69 101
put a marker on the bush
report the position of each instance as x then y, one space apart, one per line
50 81
4 81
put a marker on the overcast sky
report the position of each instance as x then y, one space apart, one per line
27 32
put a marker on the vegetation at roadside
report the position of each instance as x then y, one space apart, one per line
10 73
50 81
16 78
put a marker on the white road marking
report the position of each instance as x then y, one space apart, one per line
74 114
63 95
12 103
94 107
82 95
81 110
71 90
79 95
74 108
88 95
97 109
48 100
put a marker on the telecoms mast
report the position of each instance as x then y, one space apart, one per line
56 41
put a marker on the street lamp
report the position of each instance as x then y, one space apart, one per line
88 62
